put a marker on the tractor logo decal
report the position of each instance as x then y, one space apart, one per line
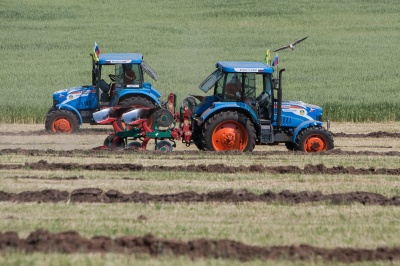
301 112
70 97
118 61
249 69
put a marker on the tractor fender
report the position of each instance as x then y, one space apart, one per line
150 93
217 107
70 108
305 124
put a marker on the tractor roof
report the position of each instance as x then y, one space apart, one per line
120 58
250 67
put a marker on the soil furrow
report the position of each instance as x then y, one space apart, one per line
96 195
210 168
105 153
72 242
378 134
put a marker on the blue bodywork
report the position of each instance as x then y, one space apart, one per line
84 100
295 115
76 99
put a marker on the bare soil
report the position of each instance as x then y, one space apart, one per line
72 242
96 195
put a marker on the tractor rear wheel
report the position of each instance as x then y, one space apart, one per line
228 131
314 139
196 136
61 121
130 104
290 146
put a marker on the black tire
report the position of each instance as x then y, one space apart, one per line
135 145
290 146
136 101
164 146
228 130
61 121
196 136
314 139
114 142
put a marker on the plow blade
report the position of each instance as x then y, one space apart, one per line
106 116
136 116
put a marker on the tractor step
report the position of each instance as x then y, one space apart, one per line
267 133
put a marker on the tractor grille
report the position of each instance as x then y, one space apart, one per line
55 102
286 121
319 118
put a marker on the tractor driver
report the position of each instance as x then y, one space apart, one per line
233 89
129 76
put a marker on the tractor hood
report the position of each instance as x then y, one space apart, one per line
297 110
72 96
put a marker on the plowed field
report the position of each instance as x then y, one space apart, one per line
59 195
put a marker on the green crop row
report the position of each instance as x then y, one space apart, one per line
348 65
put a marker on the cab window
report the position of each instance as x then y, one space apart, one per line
128 75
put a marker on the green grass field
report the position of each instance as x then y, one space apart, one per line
348 65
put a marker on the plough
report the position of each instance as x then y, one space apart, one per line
164 125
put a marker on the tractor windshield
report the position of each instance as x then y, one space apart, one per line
210 81
241 87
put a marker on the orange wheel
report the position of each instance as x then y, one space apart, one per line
315 144
229 135
314 139
62 125
228 130
61 121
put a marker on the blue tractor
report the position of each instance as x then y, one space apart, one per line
117 80
246 109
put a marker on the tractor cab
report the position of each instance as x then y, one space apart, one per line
246 85
113 73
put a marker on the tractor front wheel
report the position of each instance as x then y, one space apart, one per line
228 131
61 121
130 104
314 139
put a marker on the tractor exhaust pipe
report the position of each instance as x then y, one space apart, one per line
279 113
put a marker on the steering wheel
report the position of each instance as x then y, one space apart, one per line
262 95
112 77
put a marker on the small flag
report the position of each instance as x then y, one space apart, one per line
96 52
268 57
276 61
